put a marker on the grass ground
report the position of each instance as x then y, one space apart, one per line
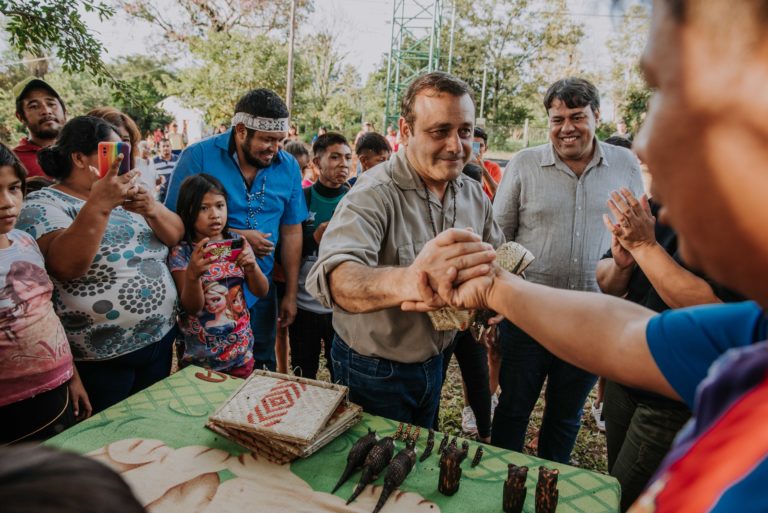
589 452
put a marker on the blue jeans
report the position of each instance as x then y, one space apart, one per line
264 325
110 381
405 392
524 366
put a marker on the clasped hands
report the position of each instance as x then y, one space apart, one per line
455 269
634 228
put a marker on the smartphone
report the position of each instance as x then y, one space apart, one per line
226 250
108 152
475 149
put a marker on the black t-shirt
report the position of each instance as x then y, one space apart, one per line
640 291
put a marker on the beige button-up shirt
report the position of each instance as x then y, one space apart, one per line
558 216
383 221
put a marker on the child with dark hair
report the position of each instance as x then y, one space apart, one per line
217 329
40 391
313 326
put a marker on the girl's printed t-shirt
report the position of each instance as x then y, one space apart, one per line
127 299
34 353
219 337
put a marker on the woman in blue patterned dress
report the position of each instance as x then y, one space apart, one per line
105 242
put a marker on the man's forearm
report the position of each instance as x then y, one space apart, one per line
601 334
611 278
676 286
357 288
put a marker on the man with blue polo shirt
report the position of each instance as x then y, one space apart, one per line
264 199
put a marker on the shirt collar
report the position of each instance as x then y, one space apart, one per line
551 158
406 178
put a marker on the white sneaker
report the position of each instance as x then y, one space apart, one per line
597 414
494 404
468 421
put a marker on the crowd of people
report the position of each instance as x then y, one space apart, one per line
103 276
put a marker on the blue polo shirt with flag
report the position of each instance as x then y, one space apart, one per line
274 198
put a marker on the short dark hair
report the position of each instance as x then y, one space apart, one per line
474 171
373 141
617 140
324 141
47 480
191 193
296 148
479 132
574 92
439 81
8 158
262 102
81 134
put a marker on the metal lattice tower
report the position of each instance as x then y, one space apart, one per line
415 49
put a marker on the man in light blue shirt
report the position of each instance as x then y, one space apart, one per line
264 200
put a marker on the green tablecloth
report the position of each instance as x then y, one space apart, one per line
157 439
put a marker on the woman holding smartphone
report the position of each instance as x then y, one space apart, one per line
105 243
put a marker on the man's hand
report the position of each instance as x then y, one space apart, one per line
635 224
319 231
623 258
474 294
259 242
287 311
461 249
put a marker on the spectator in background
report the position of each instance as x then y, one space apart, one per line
313 327
371 149
265 201
300 152
492 171
129 132
178 140
293 134
367 127
105 242
550 200
40 108
164 163
392 138
320 131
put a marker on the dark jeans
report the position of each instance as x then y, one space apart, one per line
264 326
525 364
37 418
473 363
639 435
308 333
406 392
110 381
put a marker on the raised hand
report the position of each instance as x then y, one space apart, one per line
635 224
112 190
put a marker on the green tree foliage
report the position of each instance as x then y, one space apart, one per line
37 28
522 44
229 65
630 93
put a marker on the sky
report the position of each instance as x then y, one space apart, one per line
365 30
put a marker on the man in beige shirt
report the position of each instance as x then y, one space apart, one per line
382 248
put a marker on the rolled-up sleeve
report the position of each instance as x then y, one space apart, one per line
355 234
